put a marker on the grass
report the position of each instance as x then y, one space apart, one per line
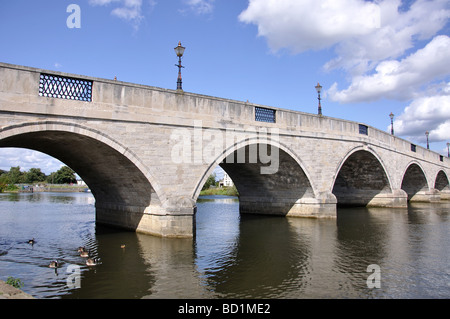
227 191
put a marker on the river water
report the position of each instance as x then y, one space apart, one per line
364 253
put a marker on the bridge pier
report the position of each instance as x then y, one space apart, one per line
317 208
322 207
175 219
445 195
396 199
431 196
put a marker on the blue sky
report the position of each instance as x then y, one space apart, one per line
371 57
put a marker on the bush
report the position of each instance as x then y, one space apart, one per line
15 282
7 187
228 191
211 181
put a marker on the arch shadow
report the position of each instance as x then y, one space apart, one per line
414 182
118 180
442 181
270 179
361 179
442 185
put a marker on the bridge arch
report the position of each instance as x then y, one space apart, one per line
415 182
361 179
119 181
442 181
282 189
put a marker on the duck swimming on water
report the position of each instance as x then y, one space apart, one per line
92 261
31 241
53 264
81 249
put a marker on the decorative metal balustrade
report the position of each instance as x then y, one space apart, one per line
265 115
363 129
63 87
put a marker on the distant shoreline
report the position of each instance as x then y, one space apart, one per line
49 188
228 191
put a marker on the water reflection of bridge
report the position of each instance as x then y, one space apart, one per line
269 257
218 199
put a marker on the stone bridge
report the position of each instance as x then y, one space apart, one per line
145 152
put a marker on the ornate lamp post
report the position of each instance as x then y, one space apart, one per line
428 144
318 89
392 122
179 50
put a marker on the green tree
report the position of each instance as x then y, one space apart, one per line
65 175
34 175
15 175
5 181
4 177
209 182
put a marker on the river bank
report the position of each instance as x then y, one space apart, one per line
227 191
48 188
10 292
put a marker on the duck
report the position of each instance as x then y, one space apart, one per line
92 261
31 241
81 249
53 264
84 253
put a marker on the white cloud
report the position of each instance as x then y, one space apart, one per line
199 6
399 79
390 49
365 35
26 159
129 10
362 32
398 33
311 24
429 113
441 133
102 2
